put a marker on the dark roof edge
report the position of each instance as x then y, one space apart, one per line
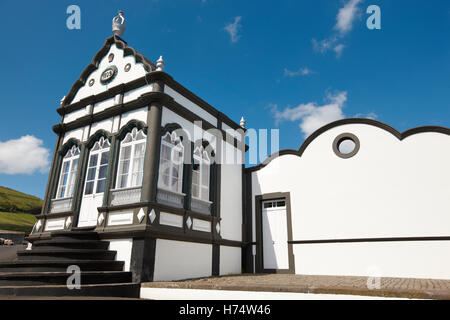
121 44
399 135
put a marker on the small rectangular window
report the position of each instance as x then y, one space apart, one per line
281 203
268 204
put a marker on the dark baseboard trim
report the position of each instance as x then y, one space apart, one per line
396 239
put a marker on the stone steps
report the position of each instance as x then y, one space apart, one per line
129 290
65 254
60 278
70 244
42 271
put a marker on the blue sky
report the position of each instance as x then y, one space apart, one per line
282 64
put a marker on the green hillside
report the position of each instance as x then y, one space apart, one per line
17 210
15 201
15 221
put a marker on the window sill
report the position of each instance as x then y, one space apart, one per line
201 200
171 191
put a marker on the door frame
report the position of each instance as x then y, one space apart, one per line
259 258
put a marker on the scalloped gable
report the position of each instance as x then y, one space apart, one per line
123 54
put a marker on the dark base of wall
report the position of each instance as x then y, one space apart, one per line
142 262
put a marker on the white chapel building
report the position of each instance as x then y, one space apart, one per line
143 164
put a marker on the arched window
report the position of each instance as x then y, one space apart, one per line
201 174
171 163
131 160
97 167
68 174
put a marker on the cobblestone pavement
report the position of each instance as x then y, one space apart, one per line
388 287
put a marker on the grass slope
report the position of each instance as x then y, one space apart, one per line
15 201
15 221
17 210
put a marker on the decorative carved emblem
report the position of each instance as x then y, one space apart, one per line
108 75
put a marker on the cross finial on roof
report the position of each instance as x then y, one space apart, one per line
118 24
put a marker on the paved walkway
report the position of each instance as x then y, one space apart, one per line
8 253
388 287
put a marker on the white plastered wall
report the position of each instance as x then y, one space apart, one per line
123 247
176 260
389 189
191 106
231 194
230 260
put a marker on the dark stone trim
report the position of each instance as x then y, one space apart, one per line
247 223
68 145
129 127
375 123
152 151
259 232
215 260
170 127
79 184
144 100
110 175
52 176
341 138
158 78
159 206
121 44
94 138
142 262
55 215
168 233
356 240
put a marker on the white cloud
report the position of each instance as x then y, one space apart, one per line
300 72
324 45
23 156
233 29
346 15
370 115
338 49
344 23
311 115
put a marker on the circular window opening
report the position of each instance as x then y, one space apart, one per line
111 57
91 82
127 67
346 145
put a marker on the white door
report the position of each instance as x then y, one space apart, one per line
95 183
275 238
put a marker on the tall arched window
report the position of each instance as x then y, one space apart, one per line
68 173
201 174
131 160
97 167
171 163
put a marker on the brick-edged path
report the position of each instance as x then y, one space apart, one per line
389 287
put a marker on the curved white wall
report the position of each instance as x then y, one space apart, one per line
390 188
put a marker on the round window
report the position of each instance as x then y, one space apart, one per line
111 57
346 145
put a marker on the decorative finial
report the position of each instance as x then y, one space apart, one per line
160 64
118 24
242 123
